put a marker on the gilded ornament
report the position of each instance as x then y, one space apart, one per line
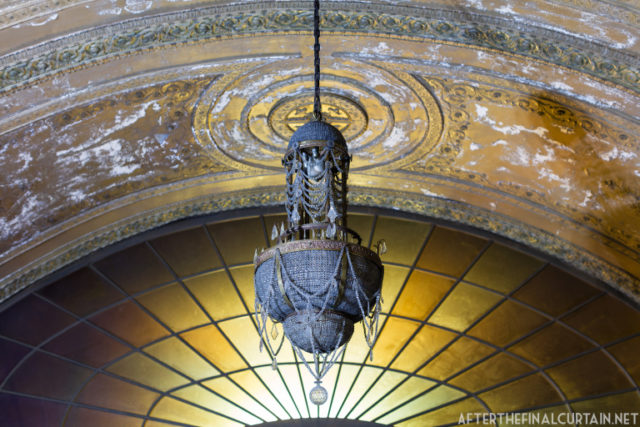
154 32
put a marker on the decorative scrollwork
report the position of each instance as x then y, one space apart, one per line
149 35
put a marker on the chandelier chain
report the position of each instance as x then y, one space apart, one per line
317 109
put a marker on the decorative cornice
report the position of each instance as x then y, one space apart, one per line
433 207
135 35
16 11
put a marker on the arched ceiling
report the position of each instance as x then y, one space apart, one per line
160 332
520 118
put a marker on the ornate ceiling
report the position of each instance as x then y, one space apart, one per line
519 118
160 332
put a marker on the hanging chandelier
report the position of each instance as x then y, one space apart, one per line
317 281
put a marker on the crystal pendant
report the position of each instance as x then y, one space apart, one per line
331 231
295 216
318 395
332 215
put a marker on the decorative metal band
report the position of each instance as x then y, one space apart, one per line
316 143
448 210
99 45
318 245
327 311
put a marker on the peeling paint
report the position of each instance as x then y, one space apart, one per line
429 193
587 198
539 158
113 11
39 22
123 170
615 153
161 138
477 4
26 158
29 212
76 195
381 49
561 85
481 113
100 134
564 129
397 137
631 41
505 9
138 6
565 183
520 157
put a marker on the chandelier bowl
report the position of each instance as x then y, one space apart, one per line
315 276
322 331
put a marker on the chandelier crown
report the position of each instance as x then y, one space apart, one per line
317 130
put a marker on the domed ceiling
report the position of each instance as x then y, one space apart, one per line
161 332
520 118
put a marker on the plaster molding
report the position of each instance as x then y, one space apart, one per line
427 206
98 45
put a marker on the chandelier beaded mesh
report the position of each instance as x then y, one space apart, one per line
317 281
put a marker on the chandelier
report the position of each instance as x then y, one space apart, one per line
317 280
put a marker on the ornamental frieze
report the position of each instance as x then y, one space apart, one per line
436 208
17 11
137 35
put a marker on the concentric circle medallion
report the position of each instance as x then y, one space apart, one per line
342 112
245 120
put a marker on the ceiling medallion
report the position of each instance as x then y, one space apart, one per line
340 111
317 281
246 117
